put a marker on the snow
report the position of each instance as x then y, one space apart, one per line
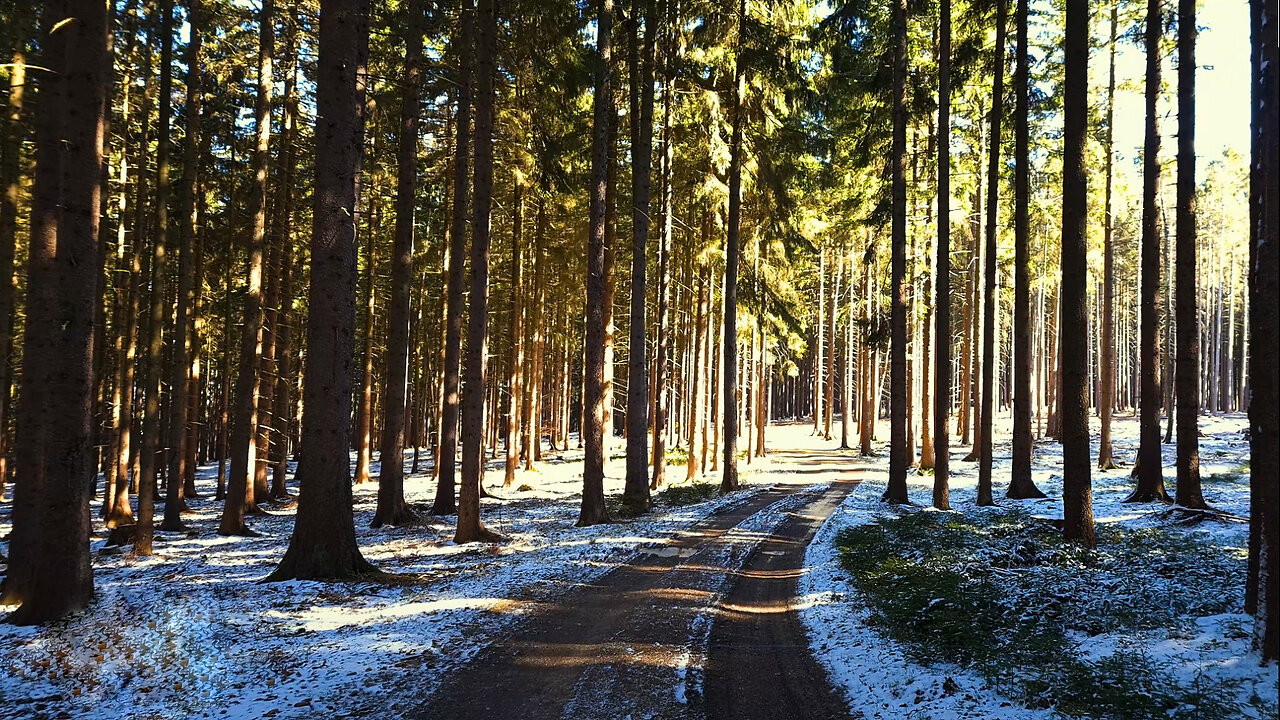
192 632
1212 651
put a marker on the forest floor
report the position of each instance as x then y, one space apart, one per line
694 610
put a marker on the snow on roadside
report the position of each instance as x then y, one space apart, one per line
191 632
879 679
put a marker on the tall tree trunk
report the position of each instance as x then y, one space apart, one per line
698 384
593 509
179 382
392 509
244 425
1264 423
662 331
49 571
446 459
152 448
729 477
470 529
896 491
531 403
364 405
1077 500
323 544
987 415
636 492
10 191
283 403
515 332
1148 468
1187 382
1107 384
819 328
942 271
1020 483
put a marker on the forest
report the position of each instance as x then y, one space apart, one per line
639 358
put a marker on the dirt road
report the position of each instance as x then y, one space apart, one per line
701 626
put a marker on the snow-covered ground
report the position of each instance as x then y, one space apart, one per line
879 675
191 632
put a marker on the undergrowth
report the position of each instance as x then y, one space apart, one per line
1002 593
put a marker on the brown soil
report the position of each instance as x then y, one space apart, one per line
700 626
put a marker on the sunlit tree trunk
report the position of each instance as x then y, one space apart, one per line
470 528
1148 468
1107 362
244 431
1077 501
896 491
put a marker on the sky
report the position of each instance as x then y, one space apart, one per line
1222 86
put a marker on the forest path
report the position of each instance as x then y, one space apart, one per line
701 626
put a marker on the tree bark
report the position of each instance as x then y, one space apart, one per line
1021 485
1077 501
244 426
636 491
1107 361
729 476
469 528
183 344
987 416
49 569
593 509
392 509
1264 422
1187 380
896 491
1149 468
323 544
942 280
446 460
152 448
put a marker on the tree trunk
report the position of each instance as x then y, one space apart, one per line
10 191
1021 485
244 425
662 333
515 347
1107 361
323 544
1263 329
636 491
470 529
152 449
942 282
593 509
184 343
49 571
987 415
364 406
446 458
392 509
729 478
896 491
283 402
1077 501
1148 468
1187 382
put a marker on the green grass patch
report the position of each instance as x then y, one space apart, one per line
687 493
1000 592
678 456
